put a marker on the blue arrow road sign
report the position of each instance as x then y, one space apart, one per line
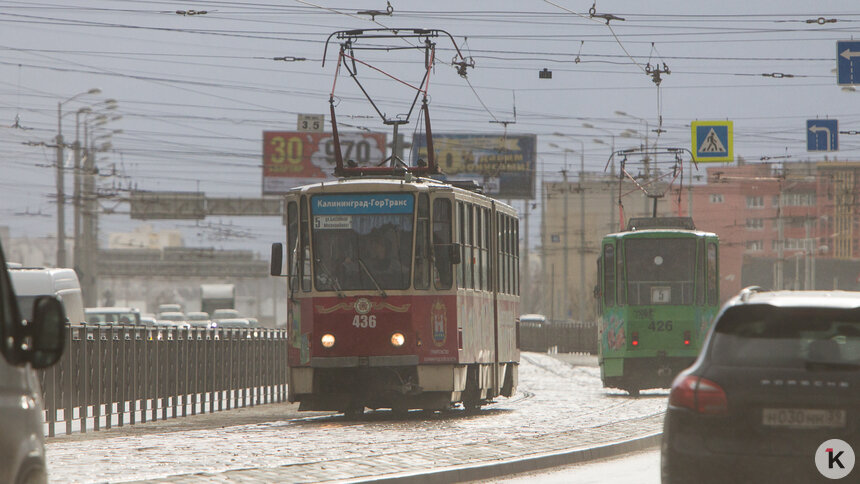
848 62
822 135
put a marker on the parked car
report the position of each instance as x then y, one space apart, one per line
240 323
778 376
169 308
198 319
533 320
112 315
224 314
23 348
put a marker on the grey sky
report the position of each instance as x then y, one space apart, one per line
196 92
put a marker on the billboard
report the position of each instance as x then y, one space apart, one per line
503 165
292 158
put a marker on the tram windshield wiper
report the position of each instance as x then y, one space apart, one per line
335 284
375 283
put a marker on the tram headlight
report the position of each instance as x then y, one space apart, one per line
327 340
397 340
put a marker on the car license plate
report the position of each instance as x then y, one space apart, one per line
803 418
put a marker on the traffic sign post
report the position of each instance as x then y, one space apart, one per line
848 62
712 141
822 135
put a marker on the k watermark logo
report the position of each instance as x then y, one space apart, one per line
834 459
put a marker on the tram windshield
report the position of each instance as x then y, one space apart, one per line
362 241
660 270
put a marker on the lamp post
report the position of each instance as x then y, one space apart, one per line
89 213
647 147
61 196
611 169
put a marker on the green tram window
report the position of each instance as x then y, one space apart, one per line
620 274
609 275
700 273
713 280
660 270
442 267
422 241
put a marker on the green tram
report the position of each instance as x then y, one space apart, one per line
658 290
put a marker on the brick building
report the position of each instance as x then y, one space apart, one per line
802 239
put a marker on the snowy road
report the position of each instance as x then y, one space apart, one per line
558 406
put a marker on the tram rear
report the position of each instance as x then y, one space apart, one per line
658 293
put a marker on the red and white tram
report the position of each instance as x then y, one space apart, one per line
403 293
403 290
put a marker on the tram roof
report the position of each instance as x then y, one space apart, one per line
651 232
393 183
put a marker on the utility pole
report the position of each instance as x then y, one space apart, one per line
90 231
778 276
582 296
61 196
566 245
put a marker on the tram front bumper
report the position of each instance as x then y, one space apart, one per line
363 361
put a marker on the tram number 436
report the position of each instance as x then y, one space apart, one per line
660 325
364 321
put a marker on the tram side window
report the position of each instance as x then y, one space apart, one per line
700 273
500 232
488 221
621 274
498 254
292 238
713 290
506 240
609 275
305 250
461 221
516 256
443 275
470 253
478 242
422 236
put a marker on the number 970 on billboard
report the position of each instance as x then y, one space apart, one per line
292 158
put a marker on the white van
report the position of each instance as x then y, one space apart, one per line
32 282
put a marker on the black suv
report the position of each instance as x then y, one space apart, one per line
778 376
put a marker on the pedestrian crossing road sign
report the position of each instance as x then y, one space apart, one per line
712 141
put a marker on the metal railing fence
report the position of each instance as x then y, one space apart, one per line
118 375
564 337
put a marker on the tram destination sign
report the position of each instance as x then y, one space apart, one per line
293 158
503 165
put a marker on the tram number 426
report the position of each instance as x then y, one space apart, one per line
660 325
364 321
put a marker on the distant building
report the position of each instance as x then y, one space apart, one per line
561 233
772 240
144 237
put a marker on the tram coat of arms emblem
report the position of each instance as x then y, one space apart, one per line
438 320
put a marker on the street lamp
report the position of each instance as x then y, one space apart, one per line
89 221
611 168
61 196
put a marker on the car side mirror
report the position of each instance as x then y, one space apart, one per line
46 331
454 253
277 259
